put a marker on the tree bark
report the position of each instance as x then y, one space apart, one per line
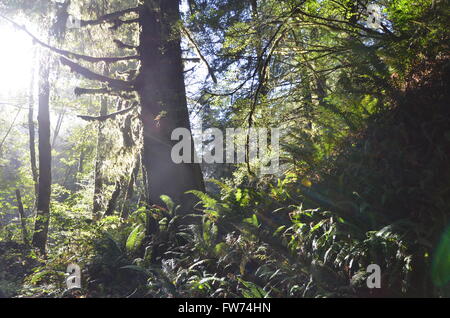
22 217
100 157
31 129
113 201
58 126
161 90
130 189
45 177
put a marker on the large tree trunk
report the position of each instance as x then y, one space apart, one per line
45 177
162 93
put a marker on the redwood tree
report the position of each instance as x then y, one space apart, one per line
162 93
160 88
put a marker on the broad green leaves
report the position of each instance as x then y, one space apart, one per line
135 238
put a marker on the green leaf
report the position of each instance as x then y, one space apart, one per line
168 202
207 201
252 290
135 238
252 221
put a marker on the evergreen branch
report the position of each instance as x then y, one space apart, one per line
113 83
69 54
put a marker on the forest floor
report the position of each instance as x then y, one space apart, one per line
16 265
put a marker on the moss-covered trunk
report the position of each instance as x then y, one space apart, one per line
163 98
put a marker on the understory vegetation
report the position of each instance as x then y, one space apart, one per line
364 163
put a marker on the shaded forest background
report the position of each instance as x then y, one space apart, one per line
86 177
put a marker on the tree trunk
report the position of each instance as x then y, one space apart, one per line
162 94
31 129
130 189
58 126
100 157
259 48
113 201
45 177
22 217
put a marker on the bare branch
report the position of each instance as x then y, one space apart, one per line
91 91
9 130
126 94
105 117
191 59
108 17
122 45
199 53
118 23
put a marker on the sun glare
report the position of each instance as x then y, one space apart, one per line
15 61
